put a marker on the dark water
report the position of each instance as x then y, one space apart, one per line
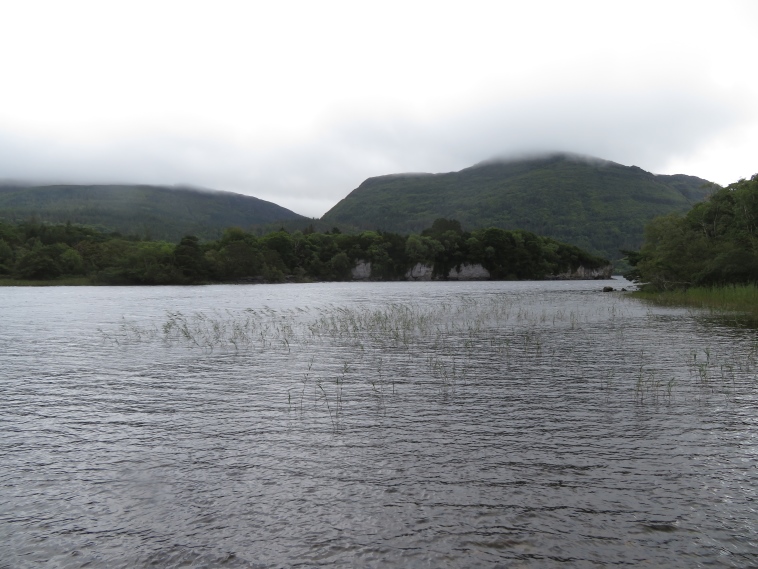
373 425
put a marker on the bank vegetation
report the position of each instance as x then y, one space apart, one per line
707 257
33 252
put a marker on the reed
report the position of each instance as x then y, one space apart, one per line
337 360
731 298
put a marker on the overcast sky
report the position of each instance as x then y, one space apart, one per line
299 102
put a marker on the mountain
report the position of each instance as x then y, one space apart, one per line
595 204
155 211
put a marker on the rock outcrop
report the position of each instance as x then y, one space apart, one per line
582 273
362 271
469 273
420 272
476 272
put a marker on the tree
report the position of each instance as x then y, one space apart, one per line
6 257
37 264
189 259
715 243
442 225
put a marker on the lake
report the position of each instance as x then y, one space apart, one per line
442 424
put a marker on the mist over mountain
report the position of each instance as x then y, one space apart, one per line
158 212
595 204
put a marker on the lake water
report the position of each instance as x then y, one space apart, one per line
483 424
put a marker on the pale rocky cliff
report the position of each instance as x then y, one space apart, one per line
469 273
422 272
362 271
587 274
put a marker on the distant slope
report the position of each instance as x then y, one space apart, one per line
155 211
597 205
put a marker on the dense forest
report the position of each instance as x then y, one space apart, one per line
714 244
36 251
594 204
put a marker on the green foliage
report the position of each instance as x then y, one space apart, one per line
29 251
420 249
6 257
188 258
742 298
714 244
519 255
148 263
441 226
596 205
71 262
37 264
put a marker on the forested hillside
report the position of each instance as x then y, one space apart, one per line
155 212
714 244
597 205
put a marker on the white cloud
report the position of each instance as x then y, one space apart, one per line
298 102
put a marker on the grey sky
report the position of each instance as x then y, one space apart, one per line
299 102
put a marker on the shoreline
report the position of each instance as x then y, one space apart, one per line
85 281
727 298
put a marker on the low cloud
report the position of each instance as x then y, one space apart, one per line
646 127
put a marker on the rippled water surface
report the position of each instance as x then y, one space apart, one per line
373 425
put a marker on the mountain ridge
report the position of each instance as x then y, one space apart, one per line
596 204
162 212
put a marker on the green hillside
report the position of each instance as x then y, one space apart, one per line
594 204
153 211
715 244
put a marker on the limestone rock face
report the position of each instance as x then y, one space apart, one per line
602 273
420 272
362 271
469 273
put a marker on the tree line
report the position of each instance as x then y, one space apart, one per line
714 244
37 251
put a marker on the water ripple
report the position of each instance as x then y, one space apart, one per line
373 425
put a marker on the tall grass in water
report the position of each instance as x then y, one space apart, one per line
334 361
740 298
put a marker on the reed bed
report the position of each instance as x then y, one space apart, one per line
335 360
732 298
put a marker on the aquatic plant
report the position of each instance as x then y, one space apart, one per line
721 299
341 358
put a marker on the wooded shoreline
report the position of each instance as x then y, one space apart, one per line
31 252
